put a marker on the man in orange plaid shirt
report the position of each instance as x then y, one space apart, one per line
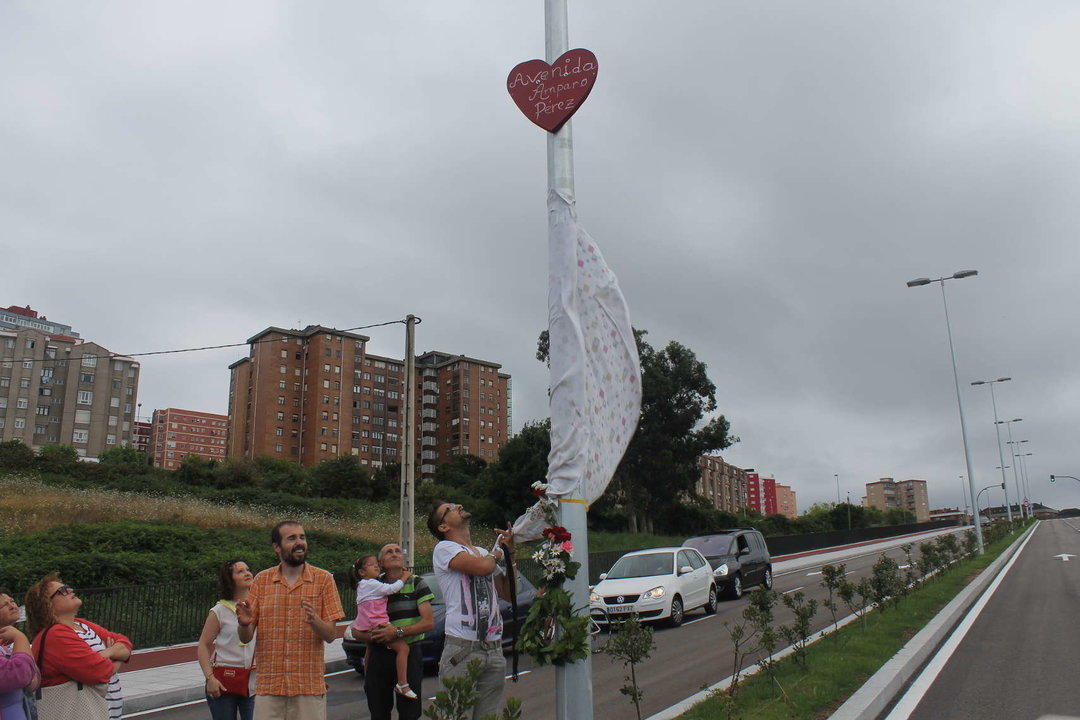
294 606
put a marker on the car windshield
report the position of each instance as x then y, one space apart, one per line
631 566
712 545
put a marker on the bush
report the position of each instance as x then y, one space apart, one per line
16 455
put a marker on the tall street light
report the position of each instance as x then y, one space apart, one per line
1001 455
919 282
1018 463
1008 426
963 496
837 476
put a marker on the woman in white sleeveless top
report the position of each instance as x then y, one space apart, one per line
219 644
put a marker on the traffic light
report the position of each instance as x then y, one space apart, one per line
1052 478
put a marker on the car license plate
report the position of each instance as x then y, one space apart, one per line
620 608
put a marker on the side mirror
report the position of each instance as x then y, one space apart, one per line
603 576
685 569
744 551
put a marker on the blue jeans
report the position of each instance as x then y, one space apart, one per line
231 707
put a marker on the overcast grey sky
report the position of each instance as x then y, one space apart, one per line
763 178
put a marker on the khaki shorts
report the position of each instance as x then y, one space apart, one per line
290 707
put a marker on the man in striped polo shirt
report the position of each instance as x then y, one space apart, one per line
410 616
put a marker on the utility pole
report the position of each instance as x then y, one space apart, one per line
408 452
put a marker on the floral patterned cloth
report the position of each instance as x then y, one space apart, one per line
595 370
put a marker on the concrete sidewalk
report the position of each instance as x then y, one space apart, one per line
171 682
160 677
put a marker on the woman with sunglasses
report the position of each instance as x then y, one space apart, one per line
75 649
18 672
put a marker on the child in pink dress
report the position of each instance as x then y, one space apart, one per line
371 596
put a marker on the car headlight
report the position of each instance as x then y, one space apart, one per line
656 592
721 571
594 598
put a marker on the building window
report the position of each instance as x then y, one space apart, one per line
80 436
89 360
284 369
280 416
279 447
20 423
85 397
21 403
114 402
110 439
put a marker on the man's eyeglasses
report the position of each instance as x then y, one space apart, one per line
63 590
447 512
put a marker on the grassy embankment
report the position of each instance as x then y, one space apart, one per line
839 665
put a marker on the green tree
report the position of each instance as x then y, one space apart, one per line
123 455
899 516
659 468
59 459
386 482
274 474
194 470
507 483
342 477
16 455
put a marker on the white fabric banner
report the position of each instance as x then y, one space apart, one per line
595 370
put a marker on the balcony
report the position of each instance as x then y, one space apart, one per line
431 387
427 441
428 455
427 469
429 413
431 399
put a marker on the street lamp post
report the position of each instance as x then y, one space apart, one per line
997 430
963 496
1008 426
1021 483
988 487
1023 475
919 282
837 476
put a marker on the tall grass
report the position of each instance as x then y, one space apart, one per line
28 506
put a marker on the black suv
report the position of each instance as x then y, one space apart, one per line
739 559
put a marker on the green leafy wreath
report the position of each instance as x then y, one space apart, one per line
552 633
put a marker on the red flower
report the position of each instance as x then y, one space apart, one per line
556 534
539 492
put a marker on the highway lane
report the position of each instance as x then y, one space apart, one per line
1021 655
687 658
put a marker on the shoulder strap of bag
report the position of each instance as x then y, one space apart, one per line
41 668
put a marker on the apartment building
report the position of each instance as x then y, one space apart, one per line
59 389
140 436
313 394
760 493
178 433
722 485
887 493
23 318
785 501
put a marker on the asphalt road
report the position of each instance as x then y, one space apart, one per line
1020 658
685 660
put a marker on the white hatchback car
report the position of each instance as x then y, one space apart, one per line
654 584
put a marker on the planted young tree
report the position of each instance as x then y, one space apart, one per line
885 582
458 698
631 643
759 613
833 578
742 635
798 633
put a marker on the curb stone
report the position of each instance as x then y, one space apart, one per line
882 688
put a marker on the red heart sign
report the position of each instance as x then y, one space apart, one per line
550 94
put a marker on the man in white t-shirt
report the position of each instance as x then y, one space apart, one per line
472 581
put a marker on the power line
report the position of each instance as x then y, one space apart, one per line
209 347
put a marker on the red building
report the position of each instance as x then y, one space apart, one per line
179 433
761 494
140 436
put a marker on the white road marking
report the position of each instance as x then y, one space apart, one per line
795 590
695 620
914 695
1064 557
812 574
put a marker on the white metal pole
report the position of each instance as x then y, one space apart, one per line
573 682
960 407
1001 456
1016 478
963 496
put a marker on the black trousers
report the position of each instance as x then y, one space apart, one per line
380 677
